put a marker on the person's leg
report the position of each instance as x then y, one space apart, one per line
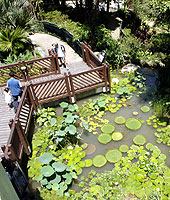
15 103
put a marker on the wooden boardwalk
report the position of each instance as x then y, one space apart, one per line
6 114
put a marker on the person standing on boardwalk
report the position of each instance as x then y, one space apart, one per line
16 89
61 53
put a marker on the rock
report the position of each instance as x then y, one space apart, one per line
129 67
148 71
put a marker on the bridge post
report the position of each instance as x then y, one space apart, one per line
73 95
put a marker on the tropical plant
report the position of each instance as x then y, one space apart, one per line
15 13
14 41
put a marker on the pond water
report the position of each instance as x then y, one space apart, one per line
135 104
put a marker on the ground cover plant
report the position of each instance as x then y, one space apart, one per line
137 171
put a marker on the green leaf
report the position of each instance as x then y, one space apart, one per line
108 128
45 158
63 186
44 181
64 105
69 119
104 138
59 167
47 171
113 155
139 140
60 133
133 124
116 136
71 108
55 186
88 163
120 120
68 178
71 129
99 161
53 121
56 180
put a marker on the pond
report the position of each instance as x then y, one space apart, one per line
125 101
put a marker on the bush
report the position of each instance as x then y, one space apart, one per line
161 42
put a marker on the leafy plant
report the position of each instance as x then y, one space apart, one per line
46 116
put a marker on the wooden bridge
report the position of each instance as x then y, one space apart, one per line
43 80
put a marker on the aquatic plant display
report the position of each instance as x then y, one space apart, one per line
64 146
133 124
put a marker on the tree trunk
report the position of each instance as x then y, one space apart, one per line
108 5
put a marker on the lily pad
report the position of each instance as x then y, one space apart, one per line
45 158
108 128
135 113
59 167
84 145
64 104
88 163
124 148
133 124
120 120
145 109
104 138
99 161
47 171
116 136
71 129
113 155
139 140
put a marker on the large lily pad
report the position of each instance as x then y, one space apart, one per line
124 148
47 171
116 136
45 158
108 128
139 140
133 124
145 109
113 155
59 167
99 161
104 138
120 120
88 163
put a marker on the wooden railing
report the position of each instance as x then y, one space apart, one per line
52 89
27 70
89 57
17 141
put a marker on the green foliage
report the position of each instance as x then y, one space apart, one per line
13 40
133 124
161 108
78 30
113 155
138 80
104 138
46 116
106 42
22 56
145 109
163 135
139 140
116 136
141 174
99 161
120 120
108 128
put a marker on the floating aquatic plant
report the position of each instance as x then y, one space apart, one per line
116 136
145 109
104 138
135 113
99 161
120 120
133 124
124 148
113 155
139 140
108 128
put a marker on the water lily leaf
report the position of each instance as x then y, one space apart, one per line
69 119
63 186
122 90
68 178
64 105
133 124
60 133
139 140
56 180
71 129
145 109
55 186
124 148
59 167
71 108
49 186
95 189
84 146
45 158
104 138
44 181
149 146
85 126
107 128
101 103
53 121
88 163
99 161
135 113
116 136
120 120
113 155
78 170
47 171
